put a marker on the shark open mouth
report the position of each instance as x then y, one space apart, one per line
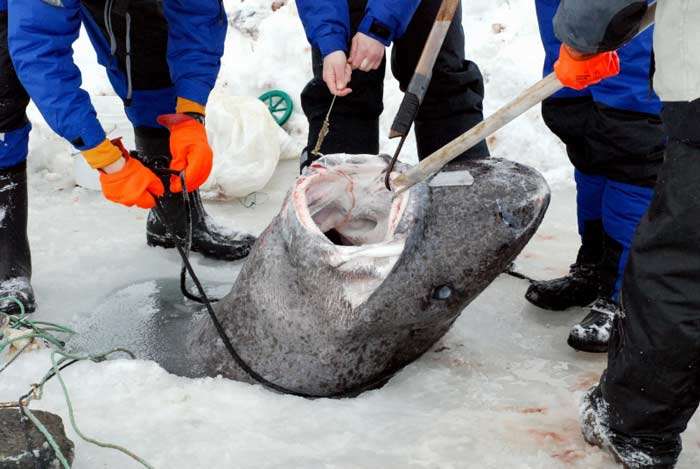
348 202
343 198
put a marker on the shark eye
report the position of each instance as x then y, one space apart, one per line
442 293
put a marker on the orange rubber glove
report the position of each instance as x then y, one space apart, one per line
133 185
579 72
190 150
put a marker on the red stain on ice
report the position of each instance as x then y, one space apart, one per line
563 443
585 381
533 410
543 436
569 456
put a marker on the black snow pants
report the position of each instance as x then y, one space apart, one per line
452 105
652 383
625 146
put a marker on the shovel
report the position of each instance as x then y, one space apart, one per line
529 98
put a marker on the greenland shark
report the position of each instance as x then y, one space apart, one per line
348 284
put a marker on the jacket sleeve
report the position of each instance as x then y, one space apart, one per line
40 36
327 24
594 26
386 20
196 36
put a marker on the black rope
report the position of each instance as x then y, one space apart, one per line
519 275
204 299
46 379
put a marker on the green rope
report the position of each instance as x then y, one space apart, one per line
40 329
71 414
45 331
49 438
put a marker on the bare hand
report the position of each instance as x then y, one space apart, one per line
337 73
366 53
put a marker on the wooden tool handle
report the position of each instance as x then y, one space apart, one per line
431 165
529 98
424 70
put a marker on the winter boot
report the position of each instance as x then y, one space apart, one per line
581 286
593 333
15 257
208 238
595 421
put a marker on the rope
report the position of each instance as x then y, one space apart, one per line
514 273
71 413
36 392
45 331
325 129
35 330
49 438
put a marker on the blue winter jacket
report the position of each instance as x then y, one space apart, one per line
327 22
41 34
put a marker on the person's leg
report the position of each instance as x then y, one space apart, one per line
134 51
354 121
651 387
567 114
613 131
453 103
15 258
580 286
627 147
623 207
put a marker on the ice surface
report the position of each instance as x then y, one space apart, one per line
500 391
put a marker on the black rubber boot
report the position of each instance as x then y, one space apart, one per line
592 334
595 420
208 238
15 257
581 287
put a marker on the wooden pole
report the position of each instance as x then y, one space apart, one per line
526 100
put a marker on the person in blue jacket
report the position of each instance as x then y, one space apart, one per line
615 139
162 58
349 38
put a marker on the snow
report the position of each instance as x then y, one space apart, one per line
500 390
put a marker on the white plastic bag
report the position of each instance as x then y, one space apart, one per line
246 140
247 144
